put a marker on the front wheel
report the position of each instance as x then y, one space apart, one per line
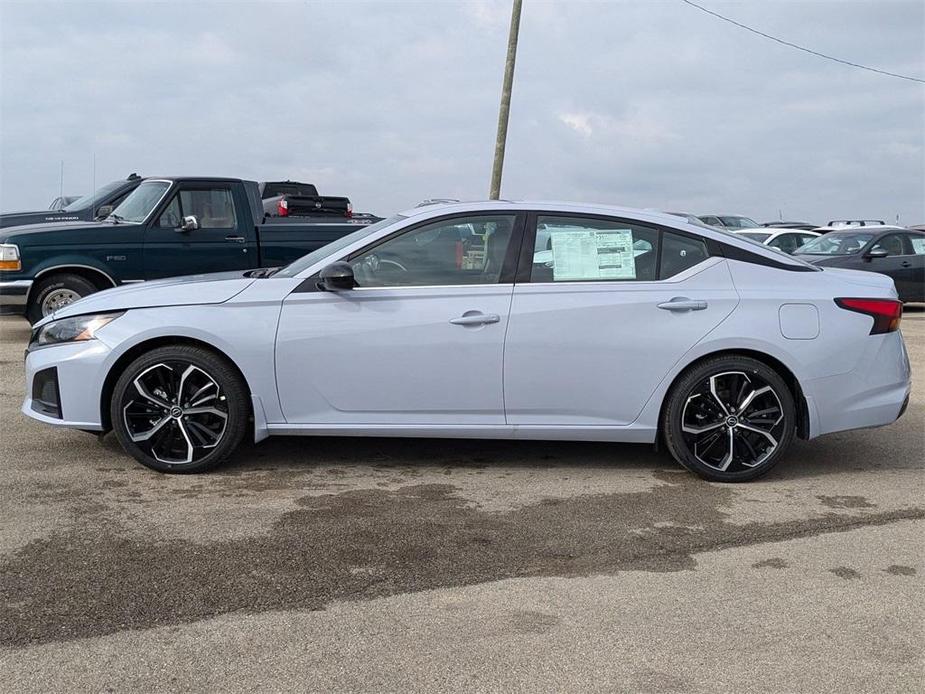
57 291
179 408
729 419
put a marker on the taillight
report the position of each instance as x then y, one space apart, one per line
282 208
349 209
886 312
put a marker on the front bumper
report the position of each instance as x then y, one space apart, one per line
13 296
80 370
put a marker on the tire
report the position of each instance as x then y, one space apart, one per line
57 291
188 434
714 426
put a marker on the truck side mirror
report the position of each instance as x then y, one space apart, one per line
190 223
103 211
336 277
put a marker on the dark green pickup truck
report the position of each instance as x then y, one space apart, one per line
164 228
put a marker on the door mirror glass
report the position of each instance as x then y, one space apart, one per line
103 211
336 277
190 223
877 252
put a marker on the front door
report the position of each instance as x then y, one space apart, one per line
225 239
419 341
602 314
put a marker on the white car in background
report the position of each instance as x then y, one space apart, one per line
447 321
786 240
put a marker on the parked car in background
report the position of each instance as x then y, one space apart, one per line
731 222
294 199
96 205
896 252
786 240
687 216
917 227
62 201
443 322
165 227
804 226
848 223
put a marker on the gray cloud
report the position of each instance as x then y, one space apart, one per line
636 103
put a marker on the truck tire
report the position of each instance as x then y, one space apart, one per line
54 292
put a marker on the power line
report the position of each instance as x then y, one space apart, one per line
801 48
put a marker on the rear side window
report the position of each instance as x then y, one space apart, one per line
918 244
585 249
679 253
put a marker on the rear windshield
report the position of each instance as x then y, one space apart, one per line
755 236
271 190
739 222
837 243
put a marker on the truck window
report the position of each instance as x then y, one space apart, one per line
271 190
213 207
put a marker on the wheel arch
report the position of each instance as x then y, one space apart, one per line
95 276
137 350
782 370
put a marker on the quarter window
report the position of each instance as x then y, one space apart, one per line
577 249
679 253
462 250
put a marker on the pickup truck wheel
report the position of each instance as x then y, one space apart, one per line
180 408
55 292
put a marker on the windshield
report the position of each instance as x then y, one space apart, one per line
755 236
836 243
739 222
94 199
306 261
138 205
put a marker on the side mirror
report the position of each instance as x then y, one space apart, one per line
336 277
103 211
876 253
190 223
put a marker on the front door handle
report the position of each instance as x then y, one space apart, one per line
236 239
682 303
475 318
906 263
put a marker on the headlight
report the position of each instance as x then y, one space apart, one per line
76 329
9 257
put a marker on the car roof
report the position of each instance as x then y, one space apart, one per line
862 230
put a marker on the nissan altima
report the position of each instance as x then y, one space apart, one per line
451 321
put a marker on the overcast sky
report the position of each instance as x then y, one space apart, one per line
642 103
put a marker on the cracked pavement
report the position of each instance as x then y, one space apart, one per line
385 564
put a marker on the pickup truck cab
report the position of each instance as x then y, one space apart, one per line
96 205
166 227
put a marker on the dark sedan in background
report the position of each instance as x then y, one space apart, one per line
893 251
96 205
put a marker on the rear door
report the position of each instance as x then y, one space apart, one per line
898 264
600 317
225 239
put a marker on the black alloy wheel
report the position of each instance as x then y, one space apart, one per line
729 419
179 409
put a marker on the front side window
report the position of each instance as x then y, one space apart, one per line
788 243
461 250
212 207
892 244
580 249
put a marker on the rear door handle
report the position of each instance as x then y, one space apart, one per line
237 239
682 303
475 318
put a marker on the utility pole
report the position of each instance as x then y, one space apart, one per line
505 109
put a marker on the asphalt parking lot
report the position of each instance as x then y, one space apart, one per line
377 564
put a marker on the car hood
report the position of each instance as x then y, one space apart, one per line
214 288
36 230
12 219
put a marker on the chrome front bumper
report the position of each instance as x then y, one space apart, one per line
13 296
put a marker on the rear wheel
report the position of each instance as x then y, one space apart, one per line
179 409
729 419
55 292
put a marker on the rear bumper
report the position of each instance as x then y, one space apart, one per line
873 394
13 296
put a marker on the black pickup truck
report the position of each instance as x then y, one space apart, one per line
96 205
294 199
165 227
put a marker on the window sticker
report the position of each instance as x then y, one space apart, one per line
590 254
